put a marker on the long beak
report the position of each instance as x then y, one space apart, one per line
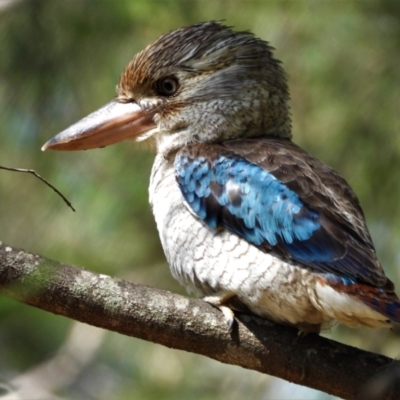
110 124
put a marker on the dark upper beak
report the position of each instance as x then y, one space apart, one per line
110 124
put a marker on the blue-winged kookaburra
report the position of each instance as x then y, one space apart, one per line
245 216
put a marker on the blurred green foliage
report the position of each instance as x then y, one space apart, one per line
60 60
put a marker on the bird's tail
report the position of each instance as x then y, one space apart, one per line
380 299
385 302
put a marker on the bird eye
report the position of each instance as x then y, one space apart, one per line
167 86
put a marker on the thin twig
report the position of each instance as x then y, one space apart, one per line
33 172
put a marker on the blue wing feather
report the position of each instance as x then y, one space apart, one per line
270 211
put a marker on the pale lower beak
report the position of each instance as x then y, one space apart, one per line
110 124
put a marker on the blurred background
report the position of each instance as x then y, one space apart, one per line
60 60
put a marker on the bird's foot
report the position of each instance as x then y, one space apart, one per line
218 300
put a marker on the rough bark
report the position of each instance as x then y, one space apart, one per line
195 326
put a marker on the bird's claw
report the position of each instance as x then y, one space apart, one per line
229 317
231 323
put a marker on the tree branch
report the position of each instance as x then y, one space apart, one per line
195 326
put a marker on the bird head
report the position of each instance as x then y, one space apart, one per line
202 83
